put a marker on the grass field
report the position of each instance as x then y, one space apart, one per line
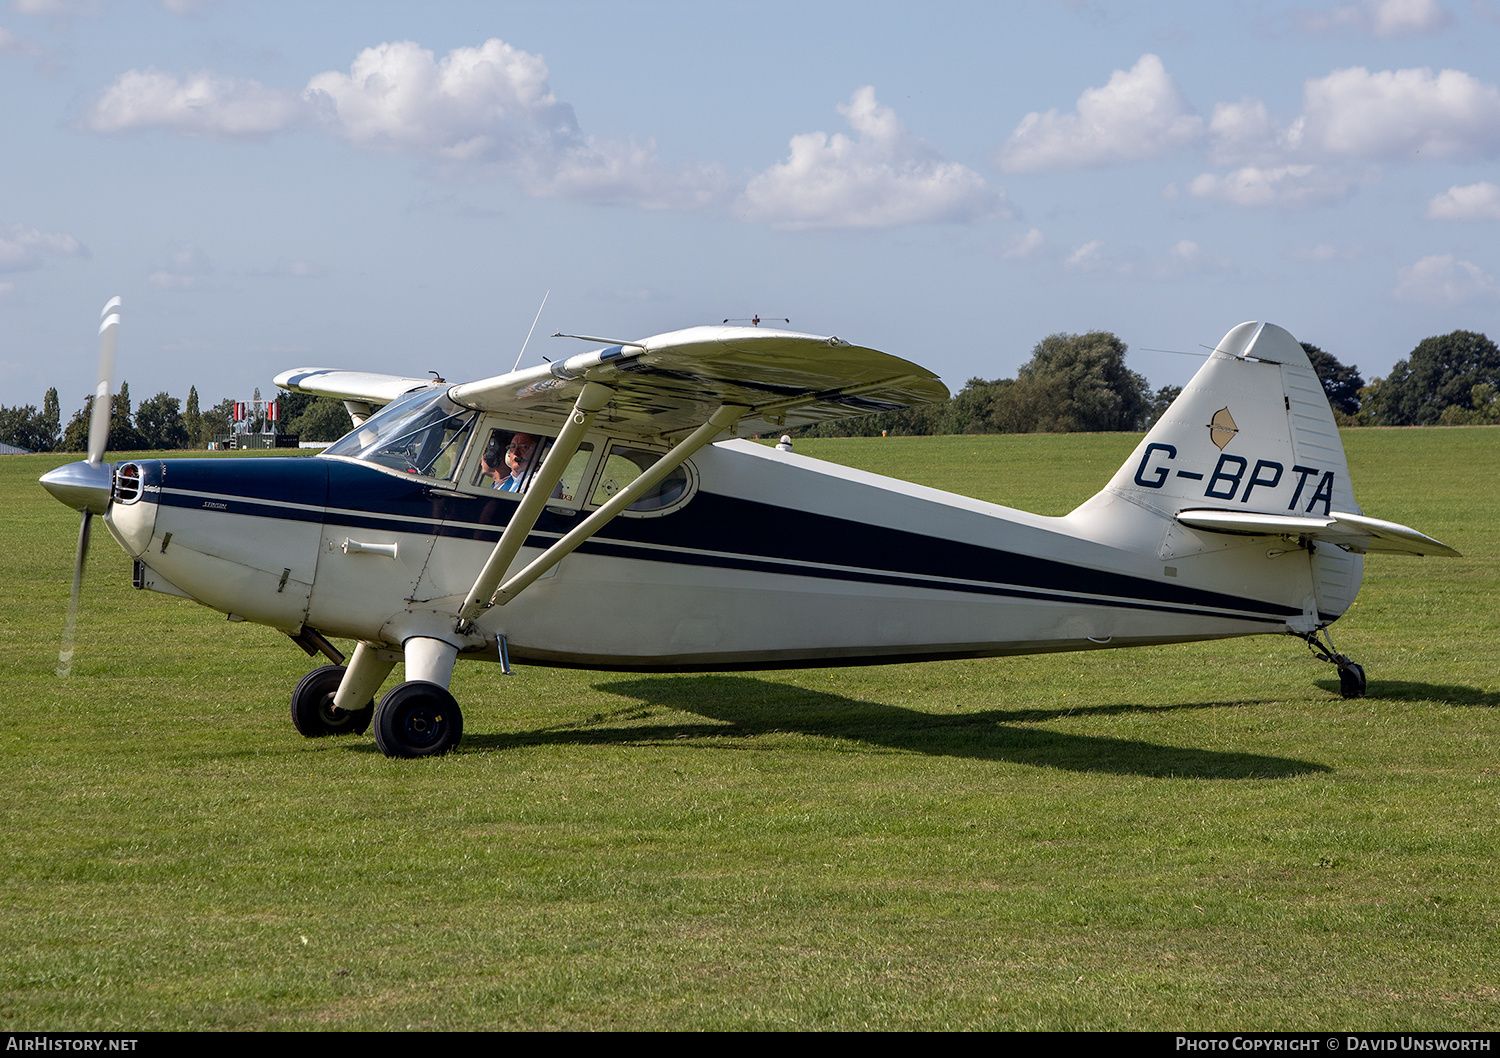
1201 836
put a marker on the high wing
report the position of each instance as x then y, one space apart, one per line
1355 532
671 383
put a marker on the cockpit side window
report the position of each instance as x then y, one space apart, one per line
510 460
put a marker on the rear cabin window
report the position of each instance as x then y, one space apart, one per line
624 464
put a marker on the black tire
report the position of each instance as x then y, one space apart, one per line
418 719
1352 681
313 714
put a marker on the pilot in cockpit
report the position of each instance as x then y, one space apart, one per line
507 464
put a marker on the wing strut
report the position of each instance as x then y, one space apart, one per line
589 403
721 420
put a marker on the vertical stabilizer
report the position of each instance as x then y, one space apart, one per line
1252 433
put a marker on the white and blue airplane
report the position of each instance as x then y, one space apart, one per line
604 512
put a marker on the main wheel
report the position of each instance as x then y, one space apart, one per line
418 719
1352 681
313 711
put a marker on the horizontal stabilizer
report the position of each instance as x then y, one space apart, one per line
1355 532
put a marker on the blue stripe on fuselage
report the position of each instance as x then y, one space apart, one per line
713 530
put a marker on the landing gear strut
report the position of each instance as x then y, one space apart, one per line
1351 675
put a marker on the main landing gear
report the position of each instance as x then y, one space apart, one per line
1351 675
418 718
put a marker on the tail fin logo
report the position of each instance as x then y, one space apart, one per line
1221 428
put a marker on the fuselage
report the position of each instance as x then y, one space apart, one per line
769 559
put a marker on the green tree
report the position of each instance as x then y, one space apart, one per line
319 419
215 421
76 437
192 419
1079 382
1072 382
1160 402
22 426
160 424
1440 373
123 436
1341 383
1483 410
51 422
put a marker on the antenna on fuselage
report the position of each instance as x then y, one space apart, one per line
527 342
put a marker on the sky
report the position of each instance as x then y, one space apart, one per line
396 187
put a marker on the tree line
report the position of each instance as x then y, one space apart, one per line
1072 383
162 422
1079 382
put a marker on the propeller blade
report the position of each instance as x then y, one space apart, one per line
70 628
109 327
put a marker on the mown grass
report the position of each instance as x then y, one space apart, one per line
1202 836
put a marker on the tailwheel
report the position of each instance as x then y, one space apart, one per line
313 712
418 719
1351 675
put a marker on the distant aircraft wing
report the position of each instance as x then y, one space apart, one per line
671 383
1356 532
365 387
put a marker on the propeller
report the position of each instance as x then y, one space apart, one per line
86 486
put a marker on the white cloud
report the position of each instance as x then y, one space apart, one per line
13 45
1245 132
1479 201
24 249
1284 187
189 270
882 177
1410 115
1138 114
205 104
485 103
492 106
1087 257
1186 257
1382 18
1441 279
53 8
1399 114
1024 245
1324 252
477 111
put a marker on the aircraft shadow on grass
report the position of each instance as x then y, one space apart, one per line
1406 691
744 707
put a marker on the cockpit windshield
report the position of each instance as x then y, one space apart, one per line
420 433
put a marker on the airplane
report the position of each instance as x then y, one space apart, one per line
607 512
